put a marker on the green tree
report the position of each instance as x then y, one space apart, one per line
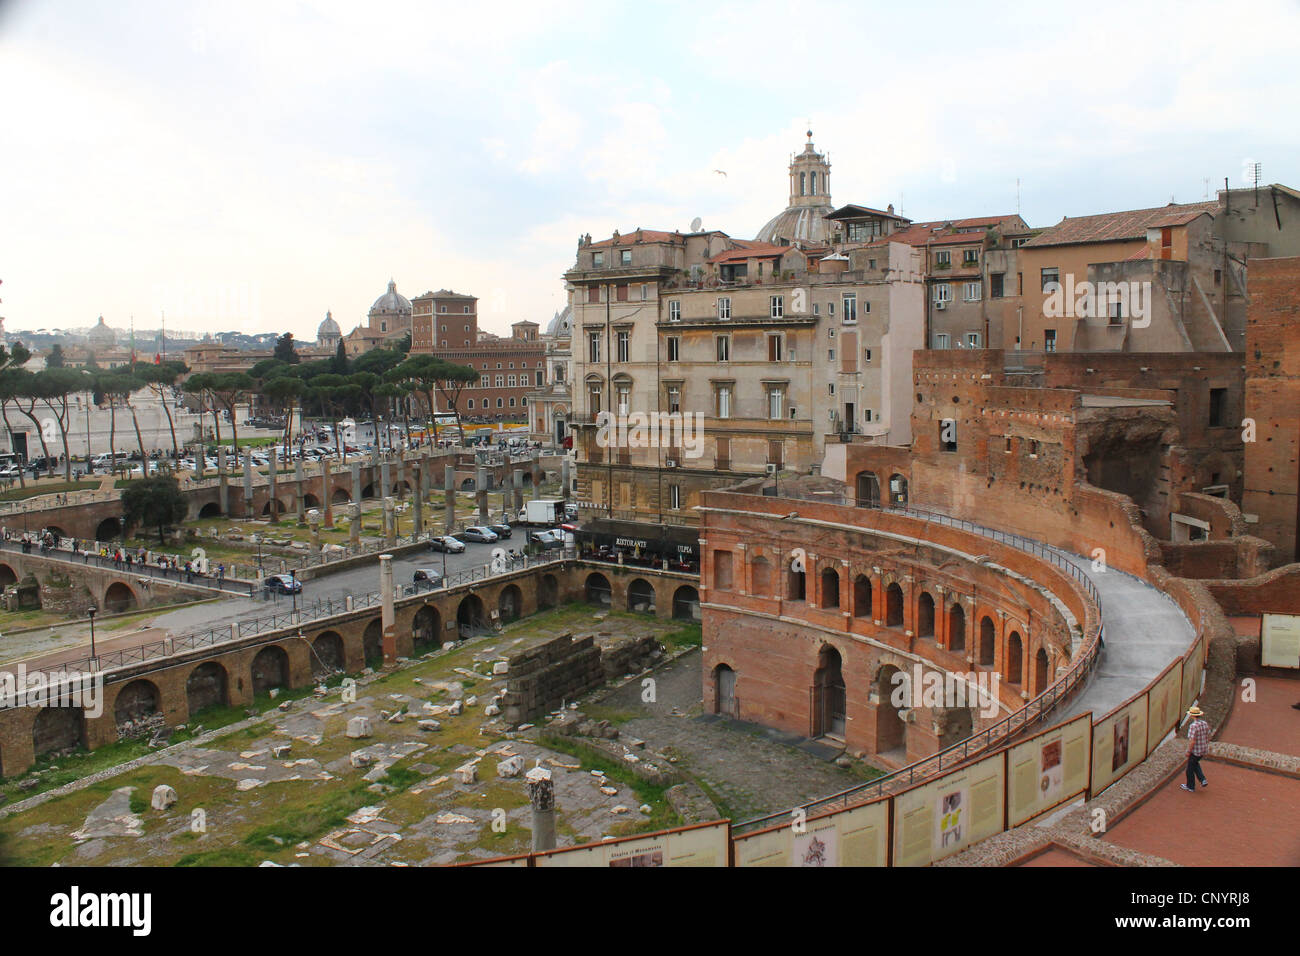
432 376
285 351
55 358
54 386
154 502
161 379
341 364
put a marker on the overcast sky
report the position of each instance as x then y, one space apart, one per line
247 166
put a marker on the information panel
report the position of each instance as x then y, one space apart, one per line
1279 640
1193 665
1048 769
1162 703
701 845
1119 743
944 816
855 837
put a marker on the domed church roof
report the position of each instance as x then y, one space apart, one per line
561 324
392 301
802 221
328 327
101 335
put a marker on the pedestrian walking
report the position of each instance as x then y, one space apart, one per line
1198 744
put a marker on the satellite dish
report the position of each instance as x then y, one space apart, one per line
696 223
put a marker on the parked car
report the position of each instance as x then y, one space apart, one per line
428 576
284 584
445 542
547 540
500 530
478 533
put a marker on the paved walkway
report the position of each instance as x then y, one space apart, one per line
1145 629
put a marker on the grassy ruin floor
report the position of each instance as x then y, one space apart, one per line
297 811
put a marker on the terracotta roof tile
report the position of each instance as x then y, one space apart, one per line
1120 226
643 235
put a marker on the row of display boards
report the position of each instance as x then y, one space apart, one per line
935 819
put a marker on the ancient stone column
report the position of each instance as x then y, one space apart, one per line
518 476
564 478
248 484
417 500
537 485
299 504
356 481
449 492
313 522
387 617
385 479
325 495
223 484
274 502
541 794
390 531
354 529
481 496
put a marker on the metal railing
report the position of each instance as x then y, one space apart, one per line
295 616
81 553
1035 712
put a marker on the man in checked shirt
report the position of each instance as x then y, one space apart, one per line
1198 742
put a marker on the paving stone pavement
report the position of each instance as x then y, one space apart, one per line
753 771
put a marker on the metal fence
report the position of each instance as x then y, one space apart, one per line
297 614
85 553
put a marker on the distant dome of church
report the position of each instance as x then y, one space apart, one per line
802 221
391 302
562 324
328 327
101 336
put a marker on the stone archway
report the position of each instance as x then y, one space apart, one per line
862 596
1042 676
206 687
893 605
686 604
118 598
868 490
309 500
956 627
426 628
598 590
548 592
829 696
987 638
328 655
510 604
925 615
724 692
109 529
830 584
7 576
372 643
470 616
136 701
270 669
341 497
57 729
210 510
273 508
1013 671
891 732
641 596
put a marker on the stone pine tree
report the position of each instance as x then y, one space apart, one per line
154 502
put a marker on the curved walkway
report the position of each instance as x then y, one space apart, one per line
1145 630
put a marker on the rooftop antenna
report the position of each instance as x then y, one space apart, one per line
1255 171
696 223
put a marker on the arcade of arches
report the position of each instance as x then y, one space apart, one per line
818 647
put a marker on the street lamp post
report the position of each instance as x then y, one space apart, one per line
93 655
